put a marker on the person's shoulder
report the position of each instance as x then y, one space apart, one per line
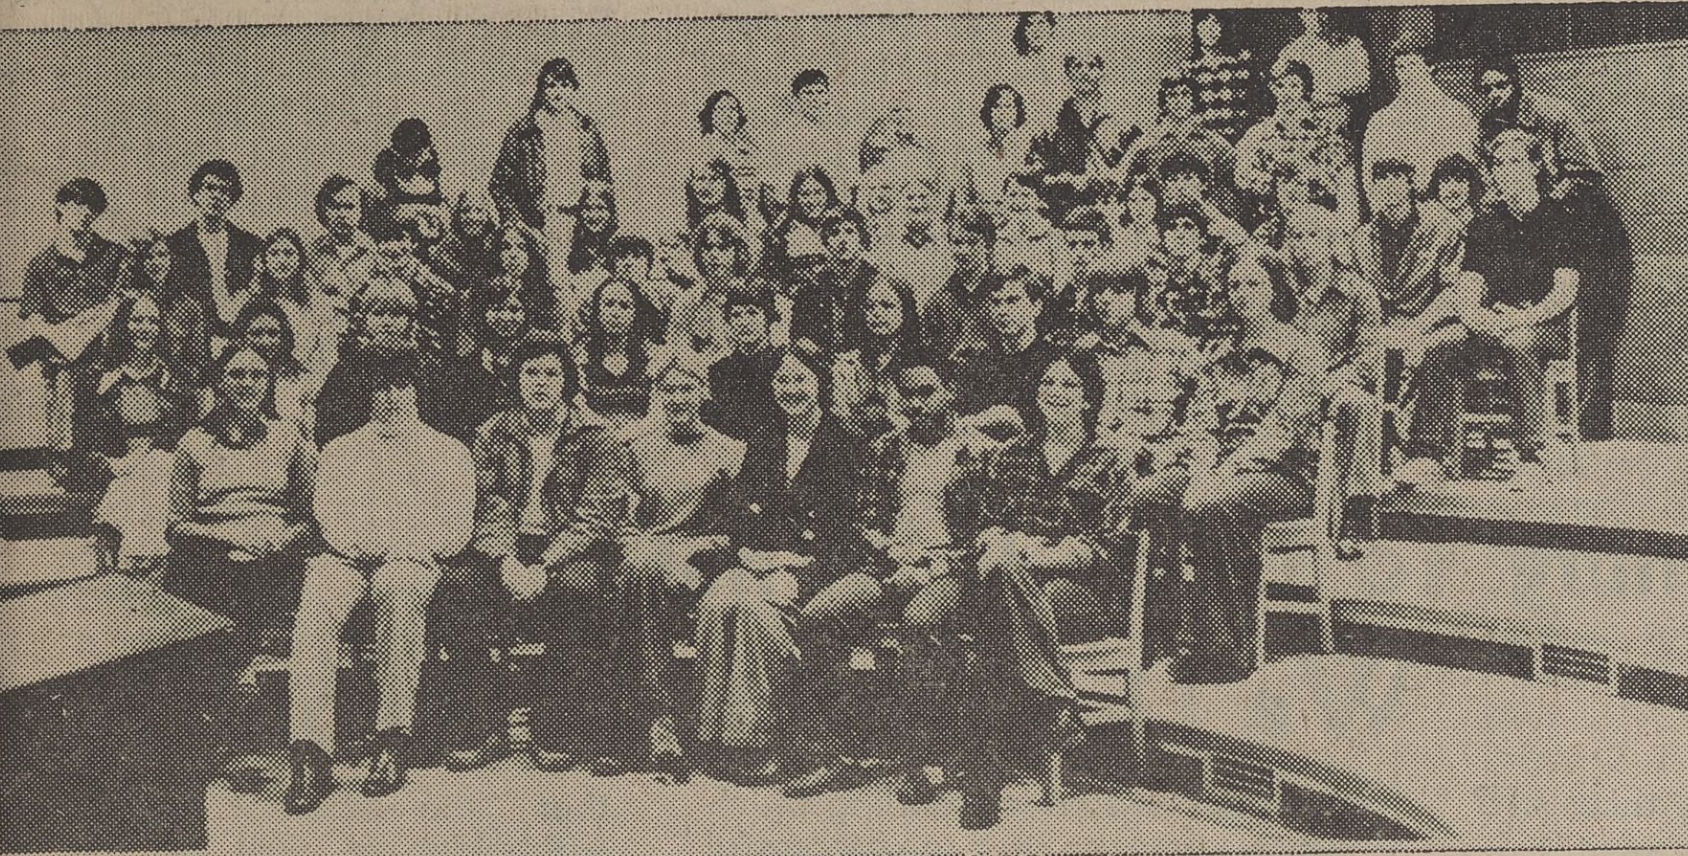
195 443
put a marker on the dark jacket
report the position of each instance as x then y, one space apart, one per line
810 514
1084 499
190 267
741 391
820 310
518 176
584 494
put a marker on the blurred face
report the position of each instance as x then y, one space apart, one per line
144 323
679 395
1309 246
1018 198
1182 238
506 317
708 186
513 254
1391 191
1142 205
282 260
633 267
718 255
796 389
392 405
1410 68
844 242
215 196
264 336
342 213
1496 88
878 196
748 325
1286 90
559 96
76 218
813 100
1114 308
595 214
1208 30
1314 21
1038 32
1454 193
1003 112
1514 173
615 309
244 382
726 115
1012 313
156 265
917 201
884 310
1082 249
541 380
387 326
1085 75
923 397
1251 295
476 218
969 250
1060 395
811 198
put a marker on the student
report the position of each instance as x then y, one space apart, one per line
880 335
1004 372
1339 65
722 256
615 357
1005 147
547 157
810 137
1088 138
955 319
1565 142
266 327
480 380
1189 293
216 258
438 304
1295 132
394 498
467 256
1227 84
1180 130
820 309
795 252
740 390
726 137
333 255
186 342
917 255
712 187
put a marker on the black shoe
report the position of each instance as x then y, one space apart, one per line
981 808
818 780
605 766
310 777
387 766
554 760
916 789
492 749
671 768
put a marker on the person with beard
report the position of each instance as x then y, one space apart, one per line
819 309
955 319
917 256
740 391
214 257
1554 123
998 381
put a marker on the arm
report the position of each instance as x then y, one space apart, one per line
302 472
601 509
495 527
184 492
451 485
1562 297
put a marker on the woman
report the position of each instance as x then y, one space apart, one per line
548 156
722 122
795 253
1006 143
876 339
264 326
712 187
615 356
1138 203
280 276
1295 134
585 266
797 538
722 255
1228 92
479 380
521 269
1458 187
186 342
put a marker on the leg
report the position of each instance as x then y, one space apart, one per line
1079 613
1526 349
332 588
469 616
1155 504
571 673
401 591
837 617
1358 465
1440 391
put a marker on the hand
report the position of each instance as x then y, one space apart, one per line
908 578
524 582
878 540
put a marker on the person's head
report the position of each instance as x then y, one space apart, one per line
282 261
1032 31
1117 298
1184 178
1141 194
1517 165
1310 235
630 257
264 326
917 200
136 328
971 235
1315 21
544 372
474 216
502 316
619 309
812 90
1087 237
214 188
1209 30
876 193
1293 185
557 86
925 391
1013 301
412 141
153 253
394 238
1070 393
720 249
679 387
243 383
1292 84
1456 183
671 251
888 308
1391 184
1183 230
1496 79
722 113
1004 109
1019 194
801 384
749 312
383 312
597 208
339 206
1412 66
844 233
392 391
1177 97
706 186
1084 74
78 204
1260 293
515 250
812 193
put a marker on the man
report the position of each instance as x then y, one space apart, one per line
819 309
66 300
343 244
1188 294
1087 139
437 303
1086 237
1407 253
955 319
1521 277
1142 364
916 255
393 499
1564 140
998 382
811 136
1186 181
1339 62
1423 125
212 257
741 384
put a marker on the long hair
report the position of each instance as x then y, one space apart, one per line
588 247
794 212
485 300
907 337
558 68
732 198
140 247
722 227
646 326
1088 367
294 289
220 421
287 360
118 341
706 116
811 359
1023 45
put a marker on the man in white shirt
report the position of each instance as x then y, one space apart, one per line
1341 67
1423 125
393 499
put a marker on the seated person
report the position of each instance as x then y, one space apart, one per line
955 319
1002 375
1409 253
1088 238
1189 292
394 498
1144 367
740 384
438 305
1186 180
384 325
1519 283
819 309
615 358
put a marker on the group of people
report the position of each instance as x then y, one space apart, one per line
854 391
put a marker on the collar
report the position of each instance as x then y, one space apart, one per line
507 423
1133 339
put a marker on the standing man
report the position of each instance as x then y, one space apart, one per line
1087 139
1423 125
1554 123
214 257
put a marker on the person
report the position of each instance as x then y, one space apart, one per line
615 356
467 256
1423 125
726 137
1507 106
215 257
722 255
809 137
740 396
1246 462
1032 31
394 499
1519 280
796 537
584 267
1296 133
1088 238
240 525
547 157
819 309
672 272
893 139
1024 235
1409 254
1458 189
1189 294
1004 372
1138 203
1293 185
383 325
438 305
280 276
955 319
1340 66
875 197
1144 367
480 379
1186 181
915 255
1087 140
712 187
882 333
408 169
266 326
339 250
185 340
520 267
551 497
1180 131
1227 83
795 253
1007 143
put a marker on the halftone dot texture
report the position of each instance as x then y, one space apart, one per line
138 109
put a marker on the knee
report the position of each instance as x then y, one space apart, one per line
730 591
933 607
852 593
332 588
404 583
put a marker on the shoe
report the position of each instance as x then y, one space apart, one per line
981 808
1420 472
492 749
749 770
605 766
387 766
916 788
554 760
671 768
1531 477
310 777
818 780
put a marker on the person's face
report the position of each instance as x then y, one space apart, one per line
718 254
1251 297
1085 75
1182 238
811 198
969 250
396 249
726 115
1142 205
1012 312
1083 247
1180 103
595 214
540 381
281 259
615 309
506 317
1292 192
1514 173
884 310
747 325
1060 395
215 196
1038 32
1315 21
1454 193
559 96
1496 88
679 395
387 326
264 336
917 201
1309 247
1410 69
1186 189
1286 90
144 323
1018 198
1114 307
156 265
1003 112
476 219
814 99
343 211
513 255
922 396
76 218
708 187
1209 30
244 381
878 197
796 389
633 267
844 242
391 405
1391 191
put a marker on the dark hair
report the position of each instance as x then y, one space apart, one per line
1285 303
220 420
973 220
295 288
266 306
221 169
82 191
907 337
810 358
586 250
1022 45
331 187
1035 285
732 230
706 116
991 96
559 69
646 326
382 223
1502 63
1169 215
542 343
1226 43
627 247
411 136
118 342
1298 69
1410 43
793 211
1135 181
809 77
925 358
1088 368
394 371
753 294
1133 280
1457 167
1390 167
139 249
1088 219
835 218
1168 84
483 300
732 197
